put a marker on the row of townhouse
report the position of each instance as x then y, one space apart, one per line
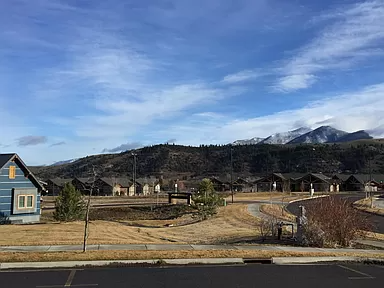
104 186
296 182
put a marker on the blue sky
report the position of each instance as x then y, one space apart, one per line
81 77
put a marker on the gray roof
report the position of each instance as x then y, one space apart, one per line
124 182
85 180
342 177
60 181
5 158
363 178
321 176
294 176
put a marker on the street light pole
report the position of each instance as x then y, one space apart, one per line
232 173
134 173
370 182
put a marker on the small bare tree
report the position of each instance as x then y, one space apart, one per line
335 221
86 220
266 227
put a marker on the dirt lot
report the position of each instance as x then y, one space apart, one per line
166 212
49 201
231 222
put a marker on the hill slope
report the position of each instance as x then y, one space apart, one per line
178 161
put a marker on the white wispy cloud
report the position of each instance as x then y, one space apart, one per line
294 82
242 76
351 35
349 111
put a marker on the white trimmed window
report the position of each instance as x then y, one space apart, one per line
25 201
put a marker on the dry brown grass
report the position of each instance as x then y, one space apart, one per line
277 211
260 196
374 236
365 205
136 255
232 221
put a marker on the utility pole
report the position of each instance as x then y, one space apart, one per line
232 173
370 182
134 172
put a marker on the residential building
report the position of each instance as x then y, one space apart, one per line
317 181
83 185
20 191
113 186
55 185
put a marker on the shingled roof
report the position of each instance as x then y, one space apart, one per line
60 181
124 182
5 158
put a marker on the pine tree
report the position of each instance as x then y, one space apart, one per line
69 205
206 200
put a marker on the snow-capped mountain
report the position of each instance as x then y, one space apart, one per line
278 138
358 135
377 132
64 162
323 134
251 141
285 137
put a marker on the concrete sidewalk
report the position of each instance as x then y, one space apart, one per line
170 247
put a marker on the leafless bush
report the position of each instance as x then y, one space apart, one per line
333 222
266 227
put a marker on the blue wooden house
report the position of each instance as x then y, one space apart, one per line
19 191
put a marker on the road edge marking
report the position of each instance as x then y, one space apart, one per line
70 278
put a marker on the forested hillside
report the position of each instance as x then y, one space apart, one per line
172 160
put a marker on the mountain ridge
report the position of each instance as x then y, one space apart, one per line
322 134
184 162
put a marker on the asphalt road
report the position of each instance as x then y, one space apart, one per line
269 275
378 221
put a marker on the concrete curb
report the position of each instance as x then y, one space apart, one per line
307 260
314 260
78 264
193 261
309 198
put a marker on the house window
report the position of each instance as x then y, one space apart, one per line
12 172
25 201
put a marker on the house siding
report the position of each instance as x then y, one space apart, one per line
6 194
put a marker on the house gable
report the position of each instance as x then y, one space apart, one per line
19 191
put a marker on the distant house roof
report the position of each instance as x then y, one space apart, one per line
321 176
364 178
123 182
85 180
143 181
5 158
219 180
60 181
241 181
342 177
293 176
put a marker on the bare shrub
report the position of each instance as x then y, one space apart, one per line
333 222
266 227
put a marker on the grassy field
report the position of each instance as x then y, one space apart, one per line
277 211
365 205
231 222
135 255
